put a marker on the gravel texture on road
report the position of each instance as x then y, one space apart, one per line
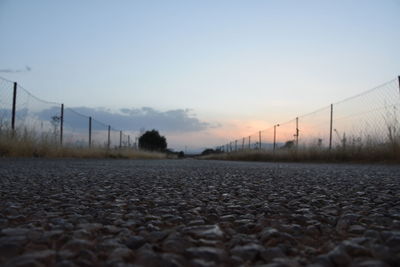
197 213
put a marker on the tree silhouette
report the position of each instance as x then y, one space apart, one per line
152 141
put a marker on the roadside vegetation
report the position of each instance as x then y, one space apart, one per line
348 150
367 154
26 143
381 147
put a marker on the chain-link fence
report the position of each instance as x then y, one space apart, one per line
6 98
23 114
371 117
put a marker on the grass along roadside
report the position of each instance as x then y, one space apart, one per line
389 153
29 145
356 148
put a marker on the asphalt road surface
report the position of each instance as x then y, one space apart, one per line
197 213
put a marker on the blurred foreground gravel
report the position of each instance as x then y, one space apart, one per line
197 213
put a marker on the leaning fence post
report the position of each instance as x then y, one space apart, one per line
331 128
120 139
61 124
90 131
14 103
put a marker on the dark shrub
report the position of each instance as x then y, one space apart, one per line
152 141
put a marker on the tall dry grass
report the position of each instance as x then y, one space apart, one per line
348 150
367 154
27 143
383 147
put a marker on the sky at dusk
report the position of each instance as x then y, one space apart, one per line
203 72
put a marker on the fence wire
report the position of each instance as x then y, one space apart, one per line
6 100
76 128
42 120
314 128
37 116
367 117
370 117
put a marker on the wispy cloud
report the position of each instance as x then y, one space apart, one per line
26 69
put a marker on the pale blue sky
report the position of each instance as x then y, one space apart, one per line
265 61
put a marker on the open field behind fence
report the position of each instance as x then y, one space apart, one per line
365 123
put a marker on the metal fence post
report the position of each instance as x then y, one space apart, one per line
399 82
235 145
90 131
120 139
331 128
129 140
297 132
259 138
61 124
243 144
109 137
274 138
14 103
249 143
